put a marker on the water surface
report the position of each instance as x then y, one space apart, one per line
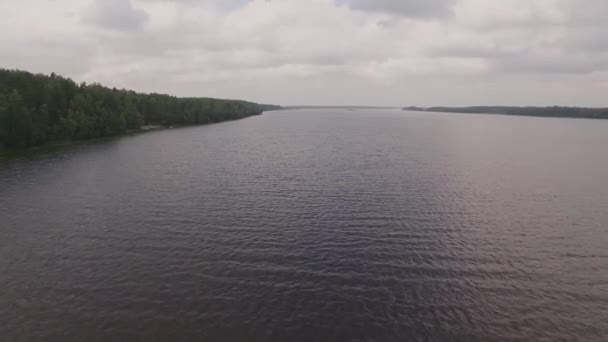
312 225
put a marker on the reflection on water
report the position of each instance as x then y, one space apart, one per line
312 225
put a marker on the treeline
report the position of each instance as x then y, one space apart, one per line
37 109
555 111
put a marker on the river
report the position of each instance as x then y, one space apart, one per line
312 225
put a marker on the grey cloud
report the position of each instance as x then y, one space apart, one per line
591 39
56 52
409 8
223 4
547 60
116 15
462 51
577 64
298 51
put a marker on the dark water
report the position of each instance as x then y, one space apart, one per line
312 226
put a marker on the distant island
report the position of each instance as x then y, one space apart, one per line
37 109
555 111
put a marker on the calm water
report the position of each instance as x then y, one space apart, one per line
312 226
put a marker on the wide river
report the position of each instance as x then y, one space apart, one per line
312 225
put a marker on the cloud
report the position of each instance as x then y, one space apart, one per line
313 51
409 8
117 15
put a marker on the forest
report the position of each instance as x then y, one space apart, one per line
555 111
37 109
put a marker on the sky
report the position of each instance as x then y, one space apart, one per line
322 52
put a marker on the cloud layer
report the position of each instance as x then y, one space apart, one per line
376 52
116 15
408 8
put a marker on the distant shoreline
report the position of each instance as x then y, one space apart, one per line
549 112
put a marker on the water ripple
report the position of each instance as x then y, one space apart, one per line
311 226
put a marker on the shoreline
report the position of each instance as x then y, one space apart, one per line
536 112
8 152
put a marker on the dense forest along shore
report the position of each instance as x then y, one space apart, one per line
37 110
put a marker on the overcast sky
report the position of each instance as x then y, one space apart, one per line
290 52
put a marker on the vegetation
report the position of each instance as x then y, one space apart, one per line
560 112
37 109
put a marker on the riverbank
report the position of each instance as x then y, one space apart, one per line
8 152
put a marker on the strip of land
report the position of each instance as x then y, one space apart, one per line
555 111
